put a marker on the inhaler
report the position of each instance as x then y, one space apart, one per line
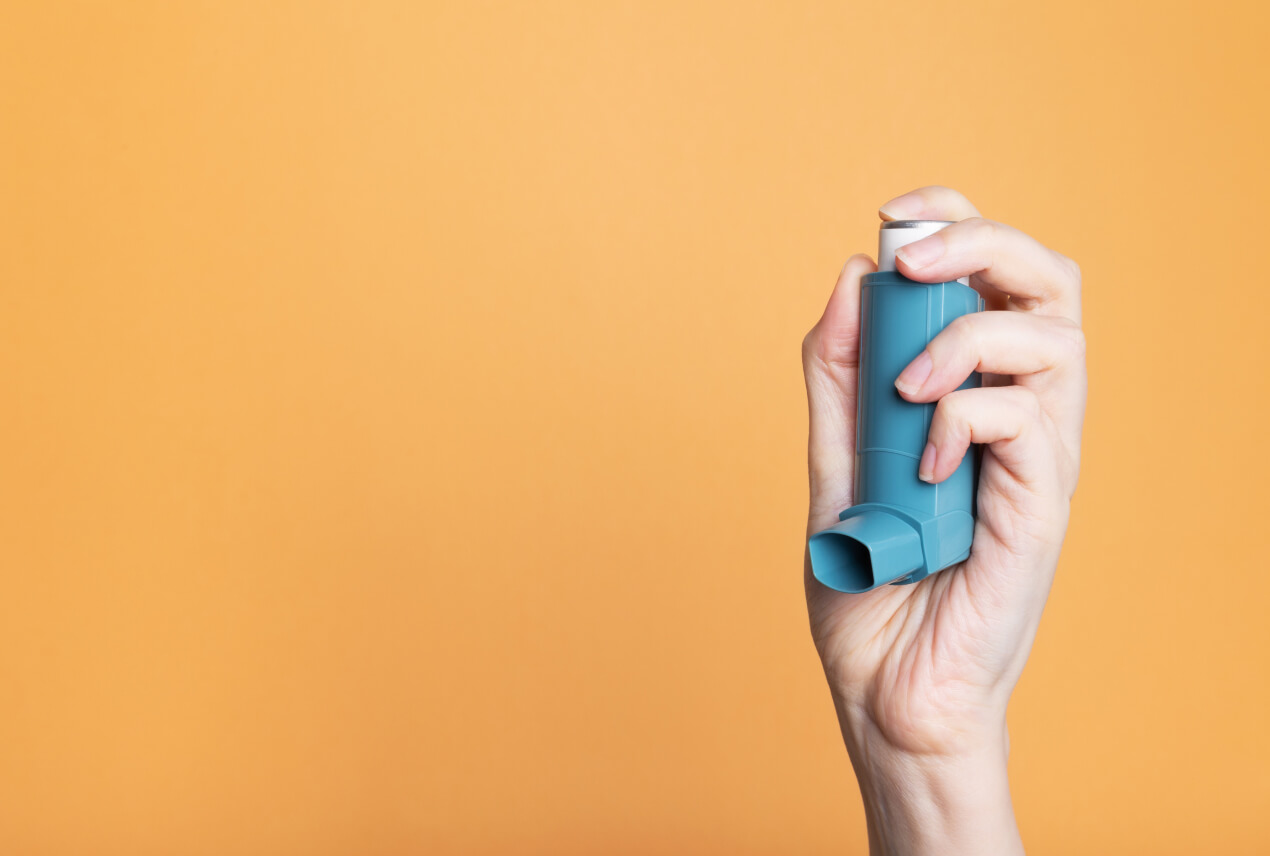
900 529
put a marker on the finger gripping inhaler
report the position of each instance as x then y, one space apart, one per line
900 529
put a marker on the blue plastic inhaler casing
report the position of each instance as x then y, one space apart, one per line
901 529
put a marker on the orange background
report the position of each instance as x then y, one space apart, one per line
403 431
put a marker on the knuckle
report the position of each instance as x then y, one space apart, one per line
951 418
959 340
1071 340
813 351
983 240
1028 403
809 345
961 327
983 229
1076 341
821 348
966 329
942 193
1071 269
951 409
931 194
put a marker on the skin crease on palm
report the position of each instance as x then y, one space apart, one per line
925 671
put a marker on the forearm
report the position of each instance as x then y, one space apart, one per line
928 804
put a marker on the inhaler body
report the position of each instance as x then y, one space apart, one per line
901 529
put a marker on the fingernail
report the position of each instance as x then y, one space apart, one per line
926 467
912 378
921 253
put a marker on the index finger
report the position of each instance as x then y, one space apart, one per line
1001 258
935 202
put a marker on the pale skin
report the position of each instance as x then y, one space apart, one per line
921 674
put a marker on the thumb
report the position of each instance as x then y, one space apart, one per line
830 355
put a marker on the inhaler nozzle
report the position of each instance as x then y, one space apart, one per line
866 551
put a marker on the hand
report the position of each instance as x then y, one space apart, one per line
921 674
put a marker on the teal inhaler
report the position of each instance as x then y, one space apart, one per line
901 529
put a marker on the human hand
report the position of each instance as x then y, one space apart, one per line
921 674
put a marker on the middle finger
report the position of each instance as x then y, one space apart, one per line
1002 259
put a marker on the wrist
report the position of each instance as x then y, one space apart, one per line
933 802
